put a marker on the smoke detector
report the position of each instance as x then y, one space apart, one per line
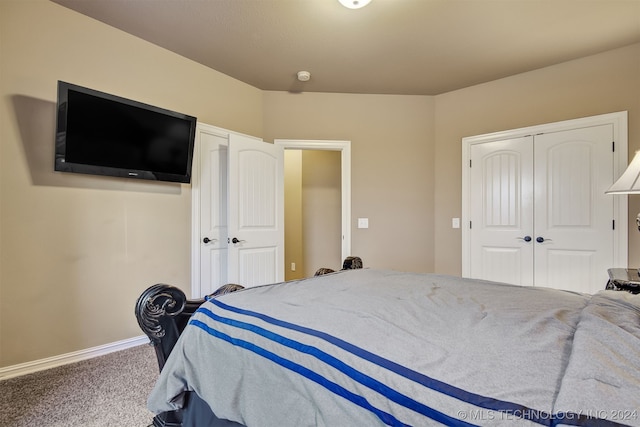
304 76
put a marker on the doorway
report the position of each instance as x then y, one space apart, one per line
317 181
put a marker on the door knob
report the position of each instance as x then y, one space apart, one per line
207 240
525 238
236 240
542 239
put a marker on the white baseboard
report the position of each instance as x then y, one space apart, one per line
76 356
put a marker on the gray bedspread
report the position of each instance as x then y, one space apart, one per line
368 347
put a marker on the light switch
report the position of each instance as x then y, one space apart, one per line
455 222
363 222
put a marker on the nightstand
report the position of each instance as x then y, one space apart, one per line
624 279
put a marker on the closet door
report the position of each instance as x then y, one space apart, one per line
573 215
502 214
539 213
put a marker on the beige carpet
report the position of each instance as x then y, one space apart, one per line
107 391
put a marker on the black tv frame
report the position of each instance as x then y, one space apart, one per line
63 165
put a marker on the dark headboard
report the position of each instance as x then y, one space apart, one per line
163 311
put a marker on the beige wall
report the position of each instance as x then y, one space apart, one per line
321 210
599 84
313 216
293 246
391 166
76 251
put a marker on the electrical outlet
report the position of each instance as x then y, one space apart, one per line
363 222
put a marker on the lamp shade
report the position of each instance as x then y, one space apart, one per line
629 181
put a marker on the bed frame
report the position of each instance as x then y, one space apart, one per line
163 312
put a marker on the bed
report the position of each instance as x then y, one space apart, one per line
373 347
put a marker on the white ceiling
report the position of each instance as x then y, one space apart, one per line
421 47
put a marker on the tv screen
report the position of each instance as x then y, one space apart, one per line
102 134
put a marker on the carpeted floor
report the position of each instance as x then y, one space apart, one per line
106 391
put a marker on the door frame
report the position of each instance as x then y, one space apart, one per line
620 154
345 167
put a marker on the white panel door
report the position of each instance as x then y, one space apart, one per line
213 211
502 214
255 209
539 213
573 215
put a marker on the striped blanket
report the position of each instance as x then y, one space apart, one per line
375 348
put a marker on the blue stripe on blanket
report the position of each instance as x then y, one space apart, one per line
353 373
388 419
539 417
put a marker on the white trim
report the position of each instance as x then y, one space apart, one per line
64 359
620 211
345 148
195 203
195 215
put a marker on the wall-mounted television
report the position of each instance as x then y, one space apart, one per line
102 134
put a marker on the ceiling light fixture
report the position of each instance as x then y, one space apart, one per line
354 4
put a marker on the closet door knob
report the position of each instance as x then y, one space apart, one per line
525 238
207 240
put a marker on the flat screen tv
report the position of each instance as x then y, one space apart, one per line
102 134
